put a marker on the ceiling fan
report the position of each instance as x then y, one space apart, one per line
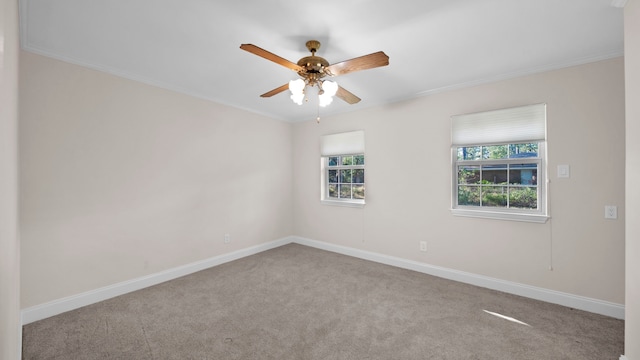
312 69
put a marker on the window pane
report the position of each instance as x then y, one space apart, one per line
495 152
523 197
495 196
500 177
469 195
358 176
345 191
494 174
468 174
523 174
523 150
358 191
333 176
469 153
333 191
345 176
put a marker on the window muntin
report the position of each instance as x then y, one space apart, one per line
499 177
345 178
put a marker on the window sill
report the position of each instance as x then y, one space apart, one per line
355 204
540 219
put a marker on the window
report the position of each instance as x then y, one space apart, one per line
498 164
345 177
343 169
497 176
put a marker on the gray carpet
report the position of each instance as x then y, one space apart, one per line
296 302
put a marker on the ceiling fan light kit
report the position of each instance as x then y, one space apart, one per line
297 90
327 89
312 69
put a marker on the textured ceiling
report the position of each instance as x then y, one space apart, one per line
192 46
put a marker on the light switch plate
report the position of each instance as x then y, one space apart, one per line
563 171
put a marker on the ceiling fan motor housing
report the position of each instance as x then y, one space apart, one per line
312 66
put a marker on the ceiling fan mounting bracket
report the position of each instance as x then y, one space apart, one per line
313 46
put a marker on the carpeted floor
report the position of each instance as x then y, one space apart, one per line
296 302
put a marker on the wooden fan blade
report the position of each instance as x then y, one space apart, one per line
347 96
360 63
270 56
275 91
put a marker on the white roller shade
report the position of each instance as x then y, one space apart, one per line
347 143
519 124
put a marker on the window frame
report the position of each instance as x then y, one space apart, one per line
324 196
538 215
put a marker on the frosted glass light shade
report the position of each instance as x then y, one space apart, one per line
297 90
296 86
297 98
325 100
329 89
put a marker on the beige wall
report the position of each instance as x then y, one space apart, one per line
10 326
409 184
632 83
119 179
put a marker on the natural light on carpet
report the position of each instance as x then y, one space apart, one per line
506 317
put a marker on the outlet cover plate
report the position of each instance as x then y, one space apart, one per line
610 212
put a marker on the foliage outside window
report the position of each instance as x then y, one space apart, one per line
344 176
499 177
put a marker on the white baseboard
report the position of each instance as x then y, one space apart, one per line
556 297
59 306
622 357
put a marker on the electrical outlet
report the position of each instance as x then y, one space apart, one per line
423 246
227 238
610 212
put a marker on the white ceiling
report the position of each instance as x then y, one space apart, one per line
192 46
